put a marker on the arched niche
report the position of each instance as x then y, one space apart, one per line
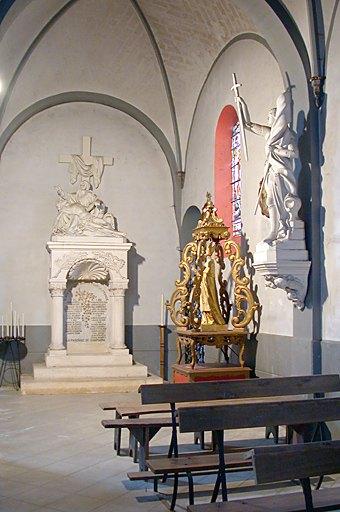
222 164
189 223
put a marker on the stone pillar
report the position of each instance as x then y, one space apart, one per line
57 315
117 318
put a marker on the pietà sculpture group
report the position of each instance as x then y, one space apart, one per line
82 213
281 257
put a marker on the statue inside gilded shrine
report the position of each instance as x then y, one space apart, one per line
211 316
200 306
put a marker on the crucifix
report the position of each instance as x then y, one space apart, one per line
87 165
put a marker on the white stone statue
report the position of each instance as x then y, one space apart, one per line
86 167
82 213
278 193
86 172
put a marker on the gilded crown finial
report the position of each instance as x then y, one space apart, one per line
210 224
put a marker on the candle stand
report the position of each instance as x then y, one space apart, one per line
10 348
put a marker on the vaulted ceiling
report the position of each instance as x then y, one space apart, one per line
187 36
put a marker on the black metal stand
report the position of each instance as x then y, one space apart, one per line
11 360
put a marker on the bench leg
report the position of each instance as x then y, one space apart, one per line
216 489
199 438
190 487
307 491
213 441
319 484
135 450
143 435
117 436
144 450
174 494
220 443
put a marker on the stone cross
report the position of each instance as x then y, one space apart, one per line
88 159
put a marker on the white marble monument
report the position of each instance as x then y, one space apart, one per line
88 280
282 257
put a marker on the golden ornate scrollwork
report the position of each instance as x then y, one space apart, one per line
181 315
200 302
244 302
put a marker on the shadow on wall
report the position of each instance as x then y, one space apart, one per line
132 295
190 220
305 192
251 344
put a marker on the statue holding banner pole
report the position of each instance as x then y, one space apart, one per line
278 190
281 258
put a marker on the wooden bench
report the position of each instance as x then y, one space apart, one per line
298 413
131 411
173 394
287 462
157 398
142 429
247 388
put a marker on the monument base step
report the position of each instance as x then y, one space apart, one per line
121 358
73 373
30 386
86 348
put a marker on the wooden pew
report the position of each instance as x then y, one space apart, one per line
245 388
173 394
130 411
154 395
298 413
287 462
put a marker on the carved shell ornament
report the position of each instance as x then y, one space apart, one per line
88 271
107 261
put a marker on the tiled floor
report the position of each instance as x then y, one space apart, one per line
55 456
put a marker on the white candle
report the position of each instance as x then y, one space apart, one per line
7 326
165 315
23 325
162 309
11 319
2 327
14 333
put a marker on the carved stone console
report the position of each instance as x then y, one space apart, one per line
285 265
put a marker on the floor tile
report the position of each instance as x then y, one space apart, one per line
78 503
56 457
11 505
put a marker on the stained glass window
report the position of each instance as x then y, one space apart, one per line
236 180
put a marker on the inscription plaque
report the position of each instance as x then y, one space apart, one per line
86 312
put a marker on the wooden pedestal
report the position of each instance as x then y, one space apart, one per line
208 372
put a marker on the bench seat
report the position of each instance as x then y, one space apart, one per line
193 463
137 422
323 499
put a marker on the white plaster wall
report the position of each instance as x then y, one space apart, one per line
18 29
99 46
137 190
190 35
243 58
299 13
331 187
